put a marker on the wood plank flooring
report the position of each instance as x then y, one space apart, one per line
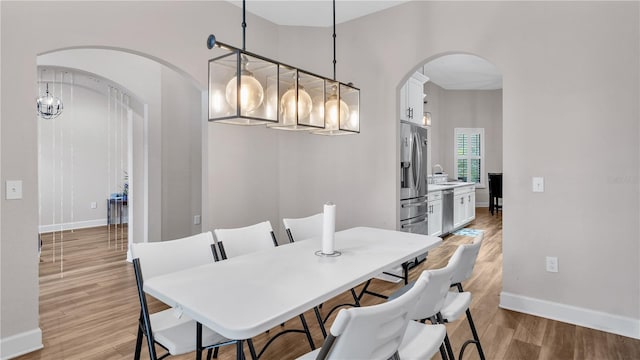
90 310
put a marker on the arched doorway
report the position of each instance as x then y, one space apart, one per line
461 110
150 143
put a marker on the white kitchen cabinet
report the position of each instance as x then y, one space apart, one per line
459 210
464 206
434 213
411 99
471 205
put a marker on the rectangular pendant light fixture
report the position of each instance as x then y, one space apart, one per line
301 100
249 89
258 101
341 109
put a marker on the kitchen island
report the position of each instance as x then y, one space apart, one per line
451 206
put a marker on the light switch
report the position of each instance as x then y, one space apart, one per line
14 189
538 184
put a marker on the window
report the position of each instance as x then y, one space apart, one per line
469 155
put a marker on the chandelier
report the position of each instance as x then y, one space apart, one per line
49 106
249 89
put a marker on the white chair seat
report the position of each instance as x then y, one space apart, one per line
178 335
421 341
455 304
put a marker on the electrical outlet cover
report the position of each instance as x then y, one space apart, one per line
14 189
538 184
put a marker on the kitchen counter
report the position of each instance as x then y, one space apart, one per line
448 185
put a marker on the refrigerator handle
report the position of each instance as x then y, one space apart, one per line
414 160
412 224
419 176
415 204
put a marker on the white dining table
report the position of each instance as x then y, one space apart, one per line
244 296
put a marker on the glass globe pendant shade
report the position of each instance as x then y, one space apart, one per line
289 106
48 106
337 112
251 92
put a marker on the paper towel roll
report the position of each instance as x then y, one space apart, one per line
328 228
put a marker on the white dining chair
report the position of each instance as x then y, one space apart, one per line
244 240
457 302
176 334
383 331
452 304
303 228
428 308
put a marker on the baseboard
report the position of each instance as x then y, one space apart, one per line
597 320
482 204
20 344
72 225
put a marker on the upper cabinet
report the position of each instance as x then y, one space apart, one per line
411 99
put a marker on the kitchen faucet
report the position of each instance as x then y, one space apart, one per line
434 169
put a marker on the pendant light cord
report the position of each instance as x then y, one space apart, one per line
334 40
244 25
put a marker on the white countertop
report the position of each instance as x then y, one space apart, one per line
448 185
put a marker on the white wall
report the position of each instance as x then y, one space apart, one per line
556 124
181 156
81 157
551 55
173 32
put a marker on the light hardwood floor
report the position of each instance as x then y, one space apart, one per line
90 310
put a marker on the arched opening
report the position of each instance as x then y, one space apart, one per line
454 103
126 154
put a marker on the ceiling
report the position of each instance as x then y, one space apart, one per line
313 12
451 72
463 72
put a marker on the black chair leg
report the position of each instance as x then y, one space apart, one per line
138 344
443 353
364 289
307 332
252 350
447 344
476 338
320 322
152 349
405 273
355 297
215 353
240 350
439 320
209 353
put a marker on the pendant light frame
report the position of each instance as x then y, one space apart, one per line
223 68
276 79
346 98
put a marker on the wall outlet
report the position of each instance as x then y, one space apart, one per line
196 220
552 264
538 184
14 190
94 205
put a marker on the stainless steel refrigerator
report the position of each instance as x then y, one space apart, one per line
413 179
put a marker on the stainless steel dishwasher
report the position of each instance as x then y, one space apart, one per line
447 211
